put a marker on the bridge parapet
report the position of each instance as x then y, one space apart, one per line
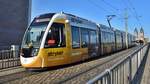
9 58
125 71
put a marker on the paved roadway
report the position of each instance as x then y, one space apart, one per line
77 74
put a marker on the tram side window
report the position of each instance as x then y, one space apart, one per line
102 37
117 38
75 37
112 38
109 37
106 37
56 36
84 38
93 38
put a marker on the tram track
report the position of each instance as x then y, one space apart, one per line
69 80
15 76
68 74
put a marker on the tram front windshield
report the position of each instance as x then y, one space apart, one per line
35 34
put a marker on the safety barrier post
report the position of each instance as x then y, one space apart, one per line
108 76
130 70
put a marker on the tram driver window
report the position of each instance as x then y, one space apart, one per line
56 36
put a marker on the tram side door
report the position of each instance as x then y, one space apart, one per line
93 47
76 50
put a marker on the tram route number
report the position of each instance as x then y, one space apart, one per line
55 53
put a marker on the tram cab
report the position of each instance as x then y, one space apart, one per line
45 41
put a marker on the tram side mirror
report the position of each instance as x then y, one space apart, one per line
84 44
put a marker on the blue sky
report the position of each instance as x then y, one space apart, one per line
96 10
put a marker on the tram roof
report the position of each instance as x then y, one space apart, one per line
80 22
46 15
73 19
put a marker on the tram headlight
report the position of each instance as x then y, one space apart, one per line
34 52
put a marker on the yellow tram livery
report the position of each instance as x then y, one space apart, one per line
55 39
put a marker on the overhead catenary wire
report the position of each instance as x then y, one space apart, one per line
111 6
134 12
113 9
98 6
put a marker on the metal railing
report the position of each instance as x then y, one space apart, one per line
9 58
124 71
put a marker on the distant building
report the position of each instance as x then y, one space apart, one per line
14 18
146 40
139 35
136 34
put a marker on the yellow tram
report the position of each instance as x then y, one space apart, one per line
55 39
